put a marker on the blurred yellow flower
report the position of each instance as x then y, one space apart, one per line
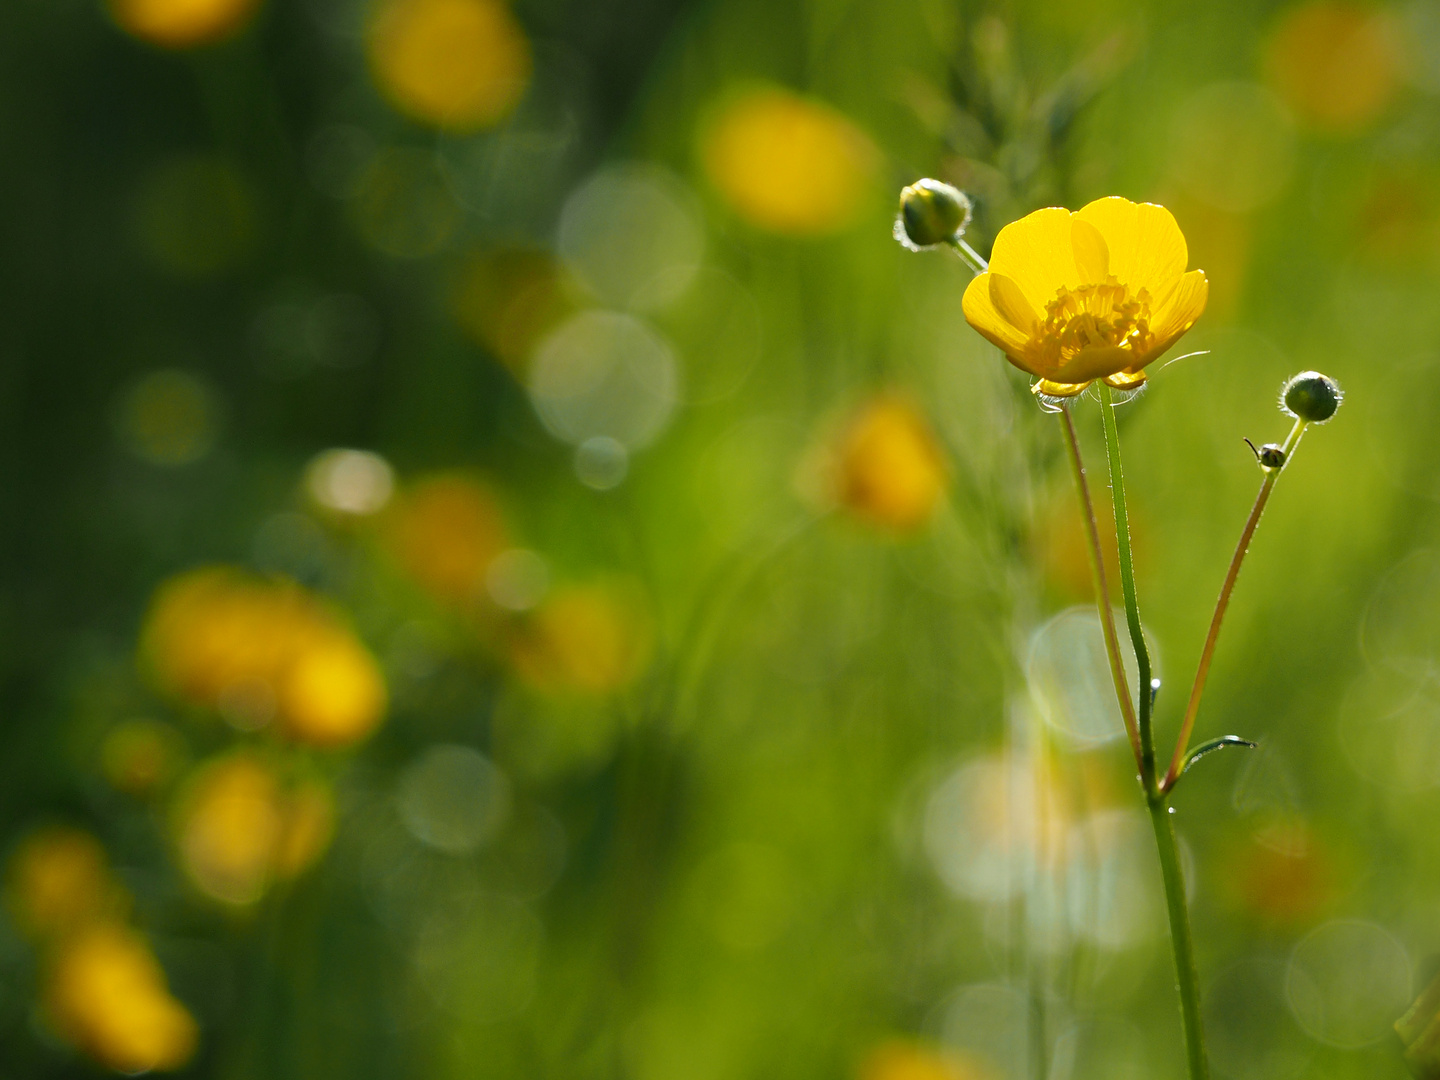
462 65
332 692
445 533
587 639
786 163
140 755
106 993
1290 882
60 880
262 649
182 24
239 827
890 470
1095 294
899 1059
1339 66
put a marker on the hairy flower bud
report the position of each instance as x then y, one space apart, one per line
1311 397
931 213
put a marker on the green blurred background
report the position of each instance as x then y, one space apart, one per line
510 570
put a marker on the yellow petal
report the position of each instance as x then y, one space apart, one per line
1125 380
1010 302
1057 389
1147 248
1093 363
980 312
1038 254
1186 304
1092 254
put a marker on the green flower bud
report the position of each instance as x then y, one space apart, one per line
1311 396
931 213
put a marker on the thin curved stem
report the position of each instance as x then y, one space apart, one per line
973 258
1207 654
1127 586
1102 589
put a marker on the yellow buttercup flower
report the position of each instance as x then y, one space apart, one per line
900 1059
461 65
890 468
240 825
1095 294
260 650
585 639
107 994
60 880
182 24
786 163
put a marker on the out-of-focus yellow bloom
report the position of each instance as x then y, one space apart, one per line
1339 66
1397 219
1095 294
1064 552
899 1059
260 649
508 300
587 639
332 692
59 881
107 994
445 533
456 64
140 755
1287 883
786 163
239 827
890 470
182 24
229 828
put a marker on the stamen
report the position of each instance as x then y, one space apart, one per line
1104 315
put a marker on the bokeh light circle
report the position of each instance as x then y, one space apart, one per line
350 481
1401 626
1068 671
452 798
632 235
602 463
169 417
604 374
1347 982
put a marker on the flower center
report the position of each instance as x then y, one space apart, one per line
1106 315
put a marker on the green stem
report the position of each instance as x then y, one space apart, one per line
1102 588
1127 586
1186 979
972 258
1207 654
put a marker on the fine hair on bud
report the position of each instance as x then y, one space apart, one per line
931 213
1311 397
